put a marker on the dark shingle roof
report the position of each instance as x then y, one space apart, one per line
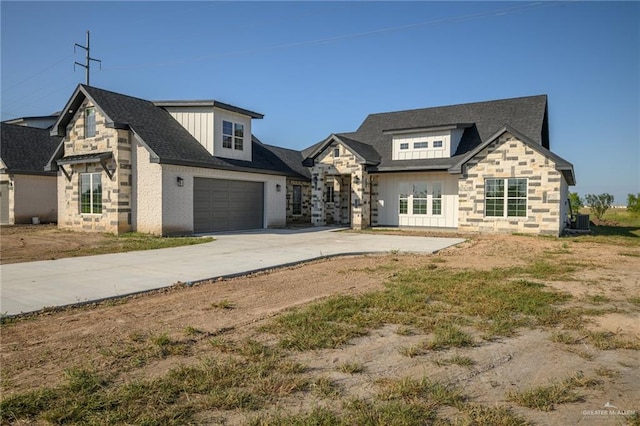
169 142
480 119
26 149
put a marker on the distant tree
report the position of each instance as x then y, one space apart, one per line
576 202
633 203
599 204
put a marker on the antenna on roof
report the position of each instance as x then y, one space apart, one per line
88 58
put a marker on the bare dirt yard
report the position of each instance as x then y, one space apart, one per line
497 330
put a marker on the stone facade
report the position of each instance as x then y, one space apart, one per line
305 216
338 162
508 157
116 191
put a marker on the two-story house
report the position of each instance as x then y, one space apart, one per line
482 167
169 167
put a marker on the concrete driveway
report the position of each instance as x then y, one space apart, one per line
28 287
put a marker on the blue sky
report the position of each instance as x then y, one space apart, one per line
314 68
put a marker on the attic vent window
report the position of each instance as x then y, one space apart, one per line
437 144
404 146
418 145
90 122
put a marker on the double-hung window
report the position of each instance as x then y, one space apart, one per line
436 199
420 198
232 135
505 197
89 122
420 195
91 193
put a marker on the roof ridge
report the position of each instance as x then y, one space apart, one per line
116 93
460 104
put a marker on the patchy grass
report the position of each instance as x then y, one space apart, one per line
223 304
135 241
351 367
499 301
545 398
463 361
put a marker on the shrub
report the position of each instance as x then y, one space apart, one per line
599 204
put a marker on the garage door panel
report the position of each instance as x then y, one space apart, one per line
221 205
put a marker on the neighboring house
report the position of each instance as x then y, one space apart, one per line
169 167
26 190
479 167
40 122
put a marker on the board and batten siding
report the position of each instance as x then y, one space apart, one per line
198 121
387 200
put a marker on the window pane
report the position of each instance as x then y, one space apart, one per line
90 123
297 199
437 144
85 193
419 206
238 143
420 190
239 130
517 188
418 145
227 128
494 207
436 208
404 205
97 192
436 199
517 207
226 141
494 188
404 146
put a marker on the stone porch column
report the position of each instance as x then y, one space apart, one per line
361 199
317 196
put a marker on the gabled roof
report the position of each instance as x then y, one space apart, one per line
26 150
561 164
365 153
480 121
167 141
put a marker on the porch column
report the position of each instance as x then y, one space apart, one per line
317 196
361 200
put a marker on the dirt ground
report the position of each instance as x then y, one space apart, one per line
35 351
27 243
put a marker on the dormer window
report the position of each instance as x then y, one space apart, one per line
89 122
437 144
404 146
232 135
419 145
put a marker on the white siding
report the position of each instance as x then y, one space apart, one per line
389 187
412 153
224 115
198 121
35 196
177 206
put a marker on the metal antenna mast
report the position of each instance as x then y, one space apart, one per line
88 58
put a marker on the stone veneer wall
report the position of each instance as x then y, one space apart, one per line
305 217
344 164
116 192
510 158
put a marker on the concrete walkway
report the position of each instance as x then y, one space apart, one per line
27 287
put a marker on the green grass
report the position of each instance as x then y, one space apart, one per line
248 379
496 302
135 241
545 398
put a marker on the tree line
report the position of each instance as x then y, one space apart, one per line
600 203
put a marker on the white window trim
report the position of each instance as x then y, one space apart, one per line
505 199
233 136
91 175
430 198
